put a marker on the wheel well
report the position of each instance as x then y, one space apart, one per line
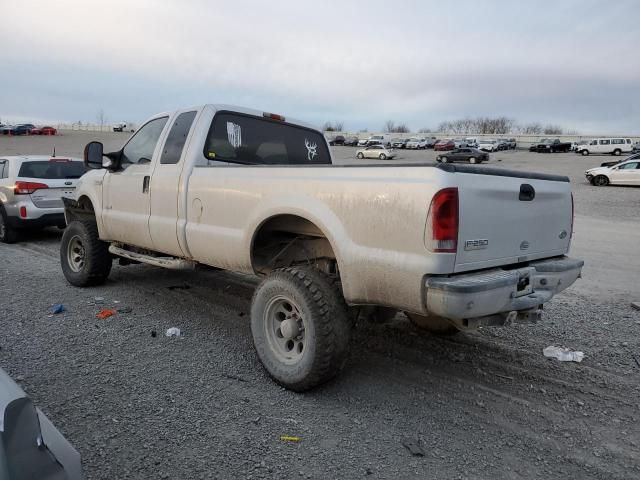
286 240
79 209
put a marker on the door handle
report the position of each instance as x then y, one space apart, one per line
145 184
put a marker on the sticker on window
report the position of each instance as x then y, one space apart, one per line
234 133
311 149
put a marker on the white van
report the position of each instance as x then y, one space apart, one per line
613 146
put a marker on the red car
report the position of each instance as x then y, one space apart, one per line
44 131
444 145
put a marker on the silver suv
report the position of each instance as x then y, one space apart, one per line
31 191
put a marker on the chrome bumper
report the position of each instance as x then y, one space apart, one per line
498 291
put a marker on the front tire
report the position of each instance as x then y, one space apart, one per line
601 181
85 259
435 325
444 159
585 153
300 327
617 152
473 160
360 156
383 156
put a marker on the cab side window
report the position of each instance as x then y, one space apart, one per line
141 146
177 137
4 169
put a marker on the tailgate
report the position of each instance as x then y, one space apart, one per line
52 197
510 217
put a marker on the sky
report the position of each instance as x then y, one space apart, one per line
571 63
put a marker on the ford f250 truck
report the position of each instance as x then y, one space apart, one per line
453 246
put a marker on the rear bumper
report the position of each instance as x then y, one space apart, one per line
46 220
497 291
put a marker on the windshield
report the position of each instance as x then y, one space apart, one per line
52 169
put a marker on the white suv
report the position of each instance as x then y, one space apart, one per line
31 191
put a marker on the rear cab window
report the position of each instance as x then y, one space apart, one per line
55 169
250 140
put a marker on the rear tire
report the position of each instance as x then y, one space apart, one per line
7 234
444 159
617 152
473 160
360 156
300 327
433 324
85 259
601 181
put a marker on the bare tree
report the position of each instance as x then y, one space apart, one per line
553 130
339 126
531 129
425 130
333 127
389 126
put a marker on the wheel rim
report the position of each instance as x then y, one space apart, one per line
76 254
285 329
601 181
472 160
383 156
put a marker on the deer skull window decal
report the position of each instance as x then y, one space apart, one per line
311 149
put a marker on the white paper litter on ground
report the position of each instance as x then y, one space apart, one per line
563 354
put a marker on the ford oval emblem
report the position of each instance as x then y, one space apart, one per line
563 234
524 245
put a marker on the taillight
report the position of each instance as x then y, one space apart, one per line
27 188
442 222
273 116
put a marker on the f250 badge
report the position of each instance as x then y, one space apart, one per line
478 244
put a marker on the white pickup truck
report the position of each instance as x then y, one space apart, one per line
453 246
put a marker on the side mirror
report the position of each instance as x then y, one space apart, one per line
93 153
95 158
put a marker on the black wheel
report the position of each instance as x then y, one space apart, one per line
300 327
617 152
383 156
7 234
360 155
85 259
585 153
433 324
600 181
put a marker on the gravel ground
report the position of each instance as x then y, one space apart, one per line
479 405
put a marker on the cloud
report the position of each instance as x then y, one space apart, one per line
419 62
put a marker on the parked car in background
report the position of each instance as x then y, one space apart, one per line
123 127
444 145
512 143
431 142
350 141
31 191
613 146
24 129
636 147
376 151
416 143
460 143
554 145
5 129
471 155
502 144
576 145
625 173
472 142
487 145
399 142
44 131
337 140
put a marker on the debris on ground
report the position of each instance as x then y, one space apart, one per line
154 334
124 310
413 446
173 332
57 308
637 360
563 354
98 300
289 438
635 305
105 313
179 287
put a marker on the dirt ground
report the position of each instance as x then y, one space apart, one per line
484 405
